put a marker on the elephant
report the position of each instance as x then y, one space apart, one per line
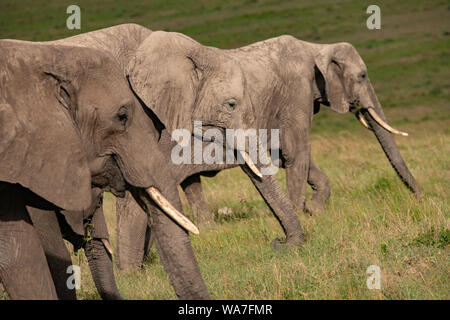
120 41
68 125
276 83
178 81
288 80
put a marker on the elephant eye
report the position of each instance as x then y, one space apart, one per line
231 103
122 115
362 75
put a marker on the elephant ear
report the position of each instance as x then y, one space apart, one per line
40 147
330 61
166 73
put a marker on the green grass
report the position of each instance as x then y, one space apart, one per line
371 218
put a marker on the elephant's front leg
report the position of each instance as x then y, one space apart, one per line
192 188
281 207
320 184
24 270
295 140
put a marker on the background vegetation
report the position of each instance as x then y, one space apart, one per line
371 218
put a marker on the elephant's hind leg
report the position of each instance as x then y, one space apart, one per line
23 267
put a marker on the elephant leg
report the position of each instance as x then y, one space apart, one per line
320 184
132 232
192 187
296 177
297 153
24 270
58 257
281 207
295 141
176 254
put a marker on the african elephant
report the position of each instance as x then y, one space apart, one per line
68 121
52 227
277 83
165 62
177 60
269 84
120 42
288 80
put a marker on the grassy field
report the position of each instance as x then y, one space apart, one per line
371 219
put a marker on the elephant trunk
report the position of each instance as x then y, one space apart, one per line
388 144
100 263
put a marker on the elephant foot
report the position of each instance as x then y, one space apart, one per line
314 207
279 244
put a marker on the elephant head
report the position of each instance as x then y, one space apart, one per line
64 128
182 81
342 78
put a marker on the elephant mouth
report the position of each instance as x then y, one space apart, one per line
199 133
108 176
112 179
202 129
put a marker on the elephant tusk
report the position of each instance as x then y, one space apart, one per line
249 163
384 124
107 246
165 205
362 120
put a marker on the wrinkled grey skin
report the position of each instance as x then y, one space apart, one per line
212 86
269 84
52 228
171 242
277 83
67 121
